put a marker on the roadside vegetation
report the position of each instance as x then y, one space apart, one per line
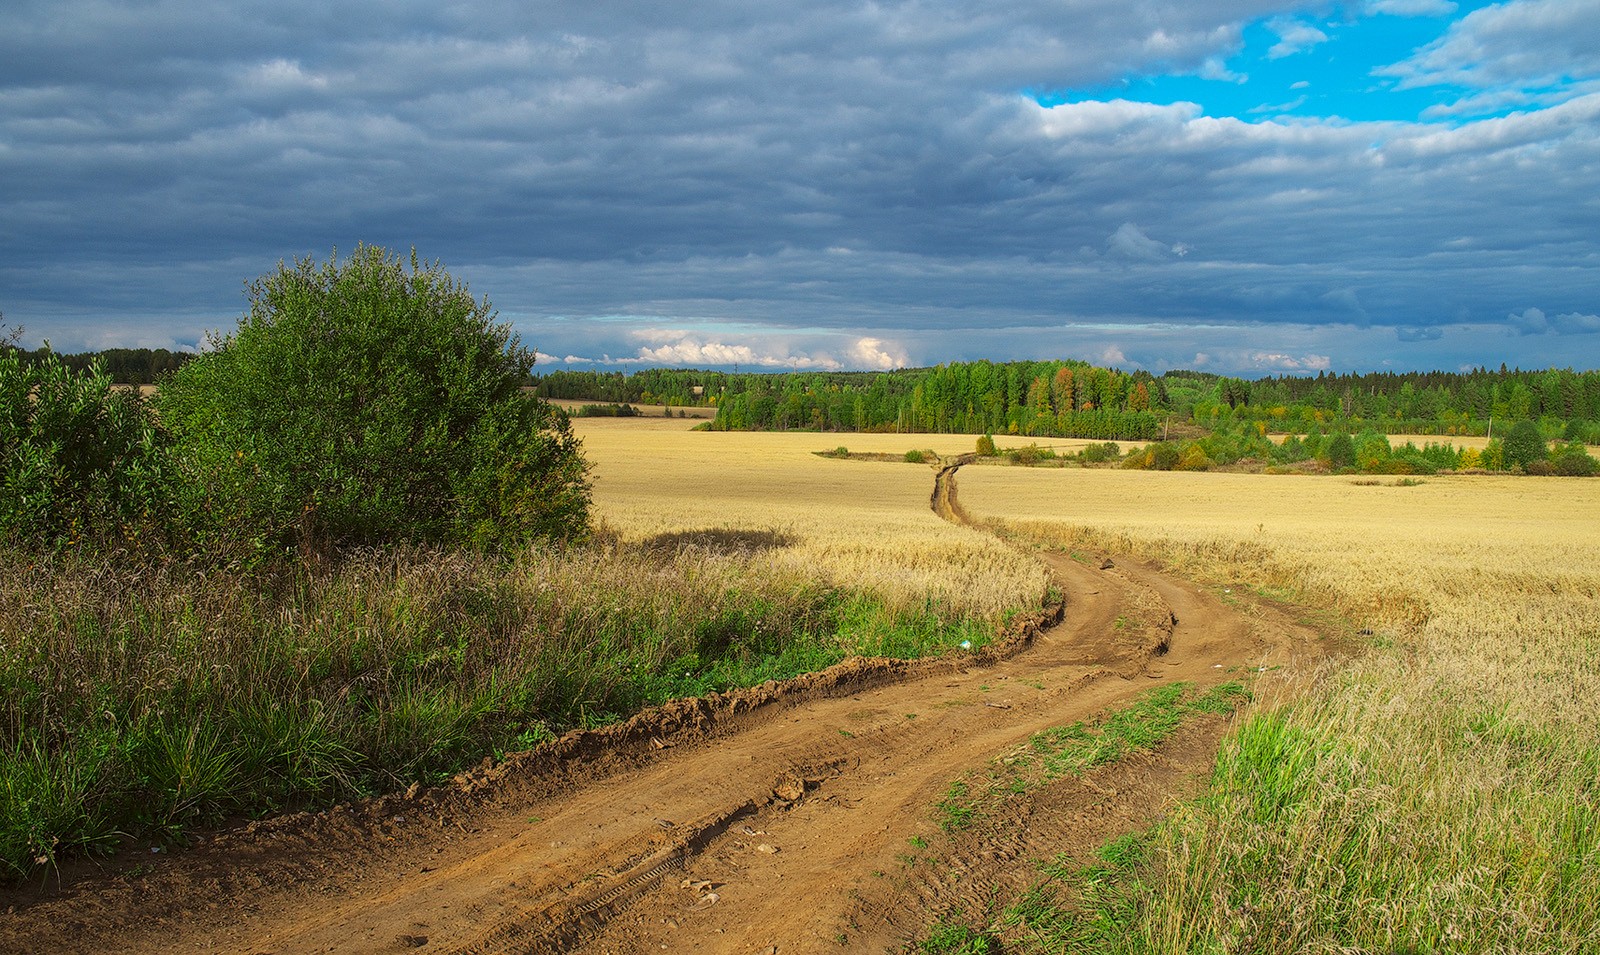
157 697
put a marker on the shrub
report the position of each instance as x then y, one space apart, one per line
1493 455
1340 452
986 446
1193 458
1525 445
1575 461
79 460
915 457
1097 453
360 402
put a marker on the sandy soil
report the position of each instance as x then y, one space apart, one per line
768 820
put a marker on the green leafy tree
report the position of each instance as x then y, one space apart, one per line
360 402
1525 445
80 461
1340 452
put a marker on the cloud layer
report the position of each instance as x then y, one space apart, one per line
858 186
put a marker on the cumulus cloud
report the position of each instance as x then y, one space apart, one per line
874 354
1533 321
1294 36
1215 69
1411 8
1520 46
1129 242
676 347
1277 361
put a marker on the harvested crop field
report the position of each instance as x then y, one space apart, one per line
956 800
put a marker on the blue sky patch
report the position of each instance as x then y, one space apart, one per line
1308 68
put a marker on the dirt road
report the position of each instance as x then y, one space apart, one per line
774 819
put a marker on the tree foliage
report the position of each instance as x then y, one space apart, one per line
79 460
359 402
1525 445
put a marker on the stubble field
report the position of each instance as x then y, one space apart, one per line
1439 789
1436 788
1438 792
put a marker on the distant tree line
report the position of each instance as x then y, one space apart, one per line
1564 402
1055 398
124 366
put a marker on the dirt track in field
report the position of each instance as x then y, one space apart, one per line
775 819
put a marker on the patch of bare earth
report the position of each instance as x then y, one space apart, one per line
771 819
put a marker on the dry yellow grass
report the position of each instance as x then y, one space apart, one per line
854 523
1440 792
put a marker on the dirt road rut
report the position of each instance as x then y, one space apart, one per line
775 819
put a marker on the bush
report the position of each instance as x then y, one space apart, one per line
360 403
79 460
1340 452
915 457
1098 453
986 446
1525 445
1575 461
1165 457
1193 458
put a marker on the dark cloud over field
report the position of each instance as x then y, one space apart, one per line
826 185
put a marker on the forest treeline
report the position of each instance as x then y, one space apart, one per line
1076 399
1053 398
125 366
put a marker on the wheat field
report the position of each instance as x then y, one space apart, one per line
854 523
1439 791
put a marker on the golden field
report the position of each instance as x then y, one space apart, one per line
852 522
1438 789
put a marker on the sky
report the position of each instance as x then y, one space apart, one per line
1248 187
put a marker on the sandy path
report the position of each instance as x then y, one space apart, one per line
782 813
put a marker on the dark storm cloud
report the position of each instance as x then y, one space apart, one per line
790 181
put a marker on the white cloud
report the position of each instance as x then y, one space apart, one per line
1111 356
1294 36
1293 104
1411 8
1278 361
1523 45
874 354
1129 242
762 350
1215 69
1533 321
283 73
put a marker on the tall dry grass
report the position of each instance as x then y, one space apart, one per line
151 697
1438 792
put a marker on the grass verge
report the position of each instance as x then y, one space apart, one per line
151 699
1439 793
1044 919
